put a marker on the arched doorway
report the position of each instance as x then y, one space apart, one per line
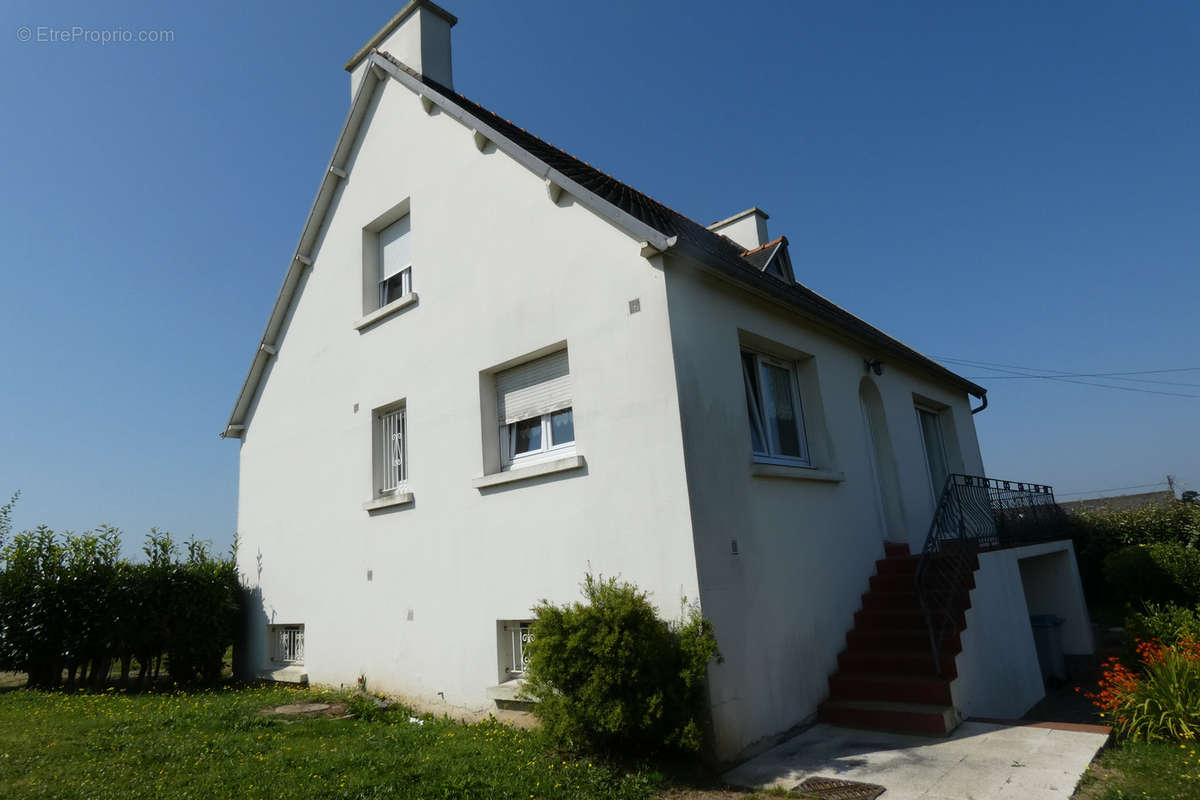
883 462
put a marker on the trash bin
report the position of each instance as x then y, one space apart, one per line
1047 638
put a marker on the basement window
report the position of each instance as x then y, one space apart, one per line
515 636
287 644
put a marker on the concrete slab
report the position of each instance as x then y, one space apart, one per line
979 761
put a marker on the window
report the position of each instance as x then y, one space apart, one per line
773 402
395 260
515 636
391 451
935 449
533 402
287 644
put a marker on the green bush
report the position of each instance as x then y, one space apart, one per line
1155 573
1098 533
69 603
610 674
1164 622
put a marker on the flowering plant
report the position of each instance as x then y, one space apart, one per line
1160 701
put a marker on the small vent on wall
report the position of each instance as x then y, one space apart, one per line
635 305
733 548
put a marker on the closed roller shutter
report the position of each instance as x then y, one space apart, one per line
535 388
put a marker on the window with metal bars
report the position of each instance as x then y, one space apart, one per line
391 450
287 644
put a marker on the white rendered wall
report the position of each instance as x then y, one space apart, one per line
500 271
998 672
1052 586
806 549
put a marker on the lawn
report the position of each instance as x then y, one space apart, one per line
1138 771
219 744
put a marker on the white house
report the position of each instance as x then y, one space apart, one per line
492 367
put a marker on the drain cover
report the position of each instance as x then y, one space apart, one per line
835 789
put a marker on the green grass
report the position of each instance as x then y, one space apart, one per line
1138 771
217 744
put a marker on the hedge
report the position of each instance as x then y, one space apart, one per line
1098 533
1155 573
70 604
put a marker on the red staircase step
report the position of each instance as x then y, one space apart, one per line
898 618
881 601
898 565
896 549
905 600
906 662
930 720
892 582
898 638
892 687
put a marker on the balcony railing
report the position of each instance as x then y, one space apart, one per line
976 514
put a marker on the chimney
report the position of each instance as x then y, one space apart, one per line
748 228
419 36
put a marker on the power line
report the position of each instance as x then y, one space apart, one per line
1064 377
1114 489
1065 373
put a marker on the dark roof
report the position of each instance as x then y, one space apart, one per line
711 248
1122 502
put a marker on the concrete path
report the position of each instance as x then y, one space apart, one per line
979 761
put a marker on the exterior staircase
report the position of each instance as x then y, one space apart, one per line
887 676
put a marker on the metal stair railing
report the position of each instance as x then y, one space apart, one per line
974 514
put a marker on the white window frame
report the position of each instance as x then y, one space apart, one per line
390 452
918 409
548 451
403 270
761 403
405 287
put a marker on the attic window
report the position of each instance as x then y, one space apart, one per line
395 260
780 264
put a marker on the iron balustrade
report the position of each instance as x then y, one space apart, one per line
976 514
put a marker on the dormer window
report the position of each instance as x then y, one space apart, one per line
395 260
772 258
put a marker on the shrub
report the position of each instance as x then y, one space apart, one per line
1159 703
1165 623
610 674
1156 573
1097 533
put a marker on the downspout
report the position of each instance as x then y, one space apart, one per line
982 397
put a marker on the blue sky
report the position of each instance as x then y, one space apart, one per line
1012 183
